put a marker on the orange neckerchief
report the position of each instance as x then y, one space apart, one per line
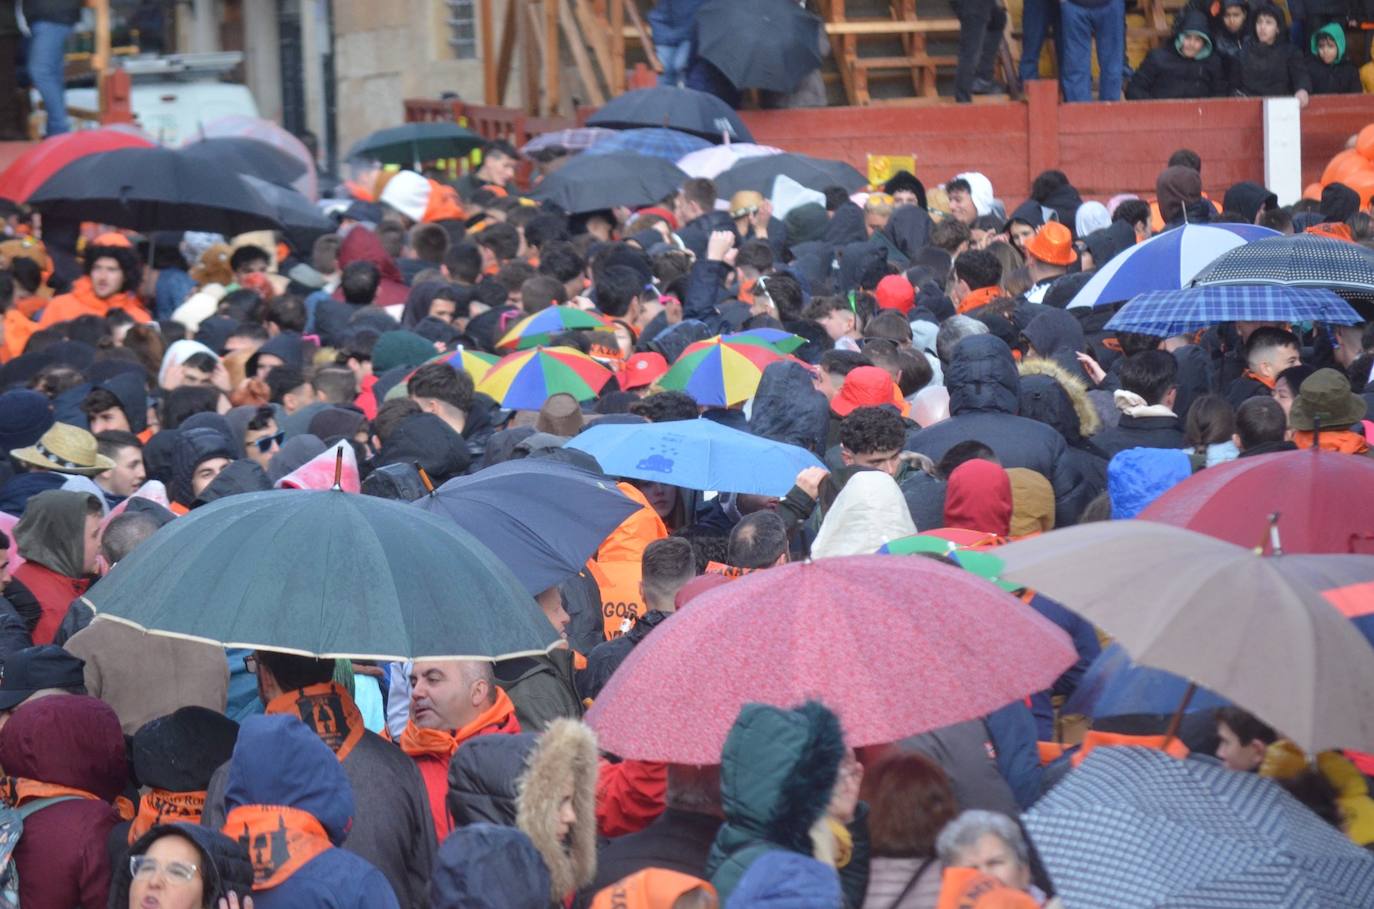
162 807
1341 441
979 298
16 790
279 840
1096 739
329 711
1267 383
498 718
729 571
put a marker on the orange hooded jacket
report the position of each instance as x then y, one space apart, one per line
616 565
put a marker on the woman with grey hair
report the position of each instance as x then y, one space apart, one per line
990 842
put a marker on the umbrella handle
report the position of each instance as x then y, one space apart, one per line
338 469
424 478
1172 732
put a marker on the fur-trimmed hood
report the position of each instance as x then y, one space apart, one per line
564 755
1068 410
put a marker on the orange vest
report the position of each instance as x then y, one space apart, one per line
617 564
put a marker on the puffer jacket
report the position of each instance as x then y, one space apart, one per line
786 880
489 867
788 408
778 770
1058 398
1166 73
564 759
1137 477
984 400
1269 70
483 778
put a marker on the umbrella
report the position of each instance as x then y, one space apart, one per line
656 142
537 329
1347 582
1303 260
572 140
525 379
473 362
296 214
249 157
984 564
1172 312
29 171
1217 614
695 454
768 44
1322 500
682 109
1166 261
542 518
1113 685
896 647
154 189
273 134
712 162
606 181
1133 828
411 144
783 341
324 574
813 173
721 371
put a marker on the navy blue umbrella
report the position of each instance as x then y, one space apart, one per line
684 109
1116 686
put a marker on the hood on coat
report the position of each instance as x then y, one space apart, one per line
1057 397
238 477
1138 476
565 757
179 352
982 377
787 880
908 229
484 776
1057 335
297 452
980 191
1248 200
869 511
488 867
1028 212
1091 216
846 226
289 346
278 760
418 301
220 424
1032 502
1064 201
132 392
978 497
627 542
1268 8
1176 188
856 260
1333 31
1193 20
67 740
53 529
363 245
788 408
1107 243
426 440
1338 203
225 866
193 447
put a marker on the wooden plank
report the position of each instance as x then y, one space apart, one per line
485 33
645 38
529 59
915 60
594 31
595 96
886 27
553 71
617 46
507 52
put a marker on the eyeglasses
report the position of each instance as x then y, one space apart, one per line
145 868
250 664
266 442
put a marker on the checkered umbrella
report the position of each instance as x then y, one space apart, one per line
1133 828
1304 260
1171 312
655 142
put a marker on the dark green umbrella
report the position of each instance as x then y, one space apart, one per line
411 144
325 574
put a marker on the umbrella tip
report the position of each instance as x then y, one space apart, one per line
338 469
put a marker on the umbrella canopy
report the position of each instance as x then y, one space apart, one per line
248 157
1302 260
782 341
656 142
543 519
273 134
297 215
411 144
1217 614
532 331
591 183
695 454
1172 312
1322 499
813 173
31 169
922 645
713 161
721 371
325 574
473 362
154 189
1347 582
524 380
682 109
1166 261
573 140
1133 828
1114 685
768 44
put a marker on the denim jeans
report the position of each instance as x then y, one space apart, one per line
1038 18
47 42
1080 25
674 58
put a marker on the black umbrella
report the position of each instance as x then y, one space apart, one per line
411 144
759 173
591 183
682 109
299 217
1304 260
769 44
154 189
249 157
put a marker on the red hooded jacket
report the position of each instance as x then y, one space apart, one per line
978 497
362 245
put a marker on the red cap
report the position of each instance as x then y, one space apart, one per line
896 292
868 386
642 369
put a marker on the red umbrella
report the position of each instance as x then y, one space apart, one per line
896 647
31 169
1322 499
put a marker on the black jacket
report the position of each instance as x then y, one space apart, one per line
1140 432
1043 398
1270 70
677 840
1339 78
484 779
697 232
788 408
1165 73
65 12
607 656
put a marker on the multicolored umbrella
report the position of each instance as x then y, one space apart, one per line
532 331
924 645
983 564
721 371
473 362
656 142
783 342
1165 313
525 379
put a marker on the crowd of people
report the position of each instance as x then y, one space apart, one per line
940 378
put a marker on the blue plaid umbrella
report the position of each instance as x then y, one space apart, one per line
655 142
1166 261
1132 828
1114 685
1304 260
1173 312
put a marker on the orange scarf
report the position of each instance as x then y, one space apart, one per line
162 807
1267 383
1096 739
329 711
279 840
1341 441
16 790
979 298
498 718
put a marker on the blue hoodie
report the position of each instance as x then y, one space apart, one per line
787 880
1138 476
279 761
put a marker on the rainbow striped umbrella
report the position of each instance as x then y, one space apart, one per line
474 363
532 331
721 371
783 341
524 380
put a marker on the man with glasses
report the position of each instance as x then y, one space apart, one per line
261 437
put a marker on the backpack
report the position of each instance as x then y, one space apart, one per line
11 828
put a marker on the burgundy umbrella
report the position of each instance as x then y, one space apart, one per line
896 647
1322 500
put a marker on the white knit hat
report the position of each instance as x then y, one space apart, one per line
408 193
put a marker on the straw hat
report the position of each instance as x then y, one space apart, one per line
65 449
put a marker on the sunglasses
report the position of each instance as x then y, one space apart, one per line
266 442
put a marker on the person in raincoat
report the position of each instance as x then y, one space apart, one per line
869 511
59 538
556 805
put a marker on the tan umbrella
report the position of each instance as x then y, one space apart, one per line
1217 614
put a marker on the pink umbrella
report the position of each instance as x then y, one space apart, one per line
896 647
271 133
